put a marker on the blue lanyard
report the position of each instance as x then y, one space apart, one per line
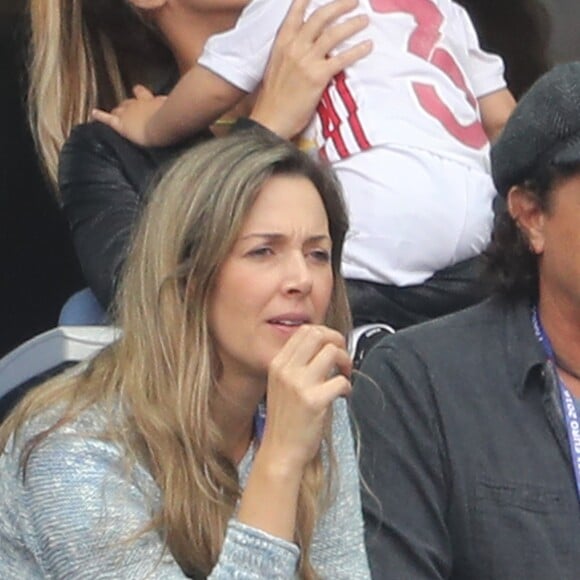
260 420
569 407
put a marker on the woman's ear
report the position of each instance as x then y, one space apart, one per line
147 4
529 216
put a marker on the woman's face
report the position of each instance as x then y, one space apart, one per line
277 277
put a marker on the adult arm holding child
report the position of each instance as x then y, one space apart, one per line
157 121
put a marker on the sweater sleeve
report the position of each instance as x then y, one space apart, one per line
84 514
338 549
251 554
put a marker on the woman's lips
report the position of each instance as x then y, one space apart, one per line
289 323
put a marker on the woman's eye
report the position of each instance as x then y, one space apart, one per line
261 251
321 255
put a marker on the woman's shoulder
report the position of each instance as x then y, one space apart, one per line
90 422
94 155
42 439
94 148
58 448
96 136
76 487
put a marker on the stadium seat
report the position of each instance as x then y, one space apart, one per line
46 355
363 338
82 309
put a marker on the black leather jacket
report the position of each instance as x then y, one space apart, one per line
103 182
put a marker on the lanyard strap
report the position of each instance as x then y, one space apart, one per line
260 420
568 406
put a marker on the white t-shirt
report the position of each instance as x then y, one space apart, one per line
417 90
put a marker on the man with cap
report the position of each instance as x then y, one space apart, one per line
470 437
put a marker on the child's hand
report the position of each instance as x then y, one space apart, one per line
131 118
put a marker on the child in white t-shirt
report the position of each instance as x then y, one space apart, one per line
406 129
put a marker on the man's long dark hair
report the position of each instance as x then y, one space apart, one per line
512 267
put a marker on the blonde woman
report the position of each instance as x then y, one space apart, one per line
212 439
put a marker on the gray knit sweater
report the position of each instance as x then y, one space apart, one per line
76 509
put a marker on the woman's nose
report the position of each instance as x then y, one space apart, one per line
298 275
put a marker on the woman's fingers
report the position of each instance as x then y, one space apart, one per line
330 361
324 16
333 36
294 19
306 343
300 67
328 392
344 59
321 358
310 359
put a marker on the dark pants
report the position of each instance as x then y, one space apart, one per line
448 290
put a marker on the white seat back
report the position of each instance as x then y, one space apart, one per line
60 346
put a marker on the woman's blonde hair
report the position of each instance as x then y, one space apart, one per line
164 369
85 54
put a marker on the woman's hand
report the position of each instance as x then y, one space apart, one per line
306 376
301 67
131 118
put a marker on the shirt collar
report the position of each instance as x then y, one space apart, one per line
525 354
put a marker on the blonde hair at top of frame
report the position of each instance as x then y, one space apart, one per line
164 369
85 54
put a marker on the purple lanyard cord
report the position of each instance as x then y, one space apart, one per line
568 406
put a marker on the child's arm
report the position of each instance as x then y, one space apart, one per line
485 72
495 109
198 99
239 55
